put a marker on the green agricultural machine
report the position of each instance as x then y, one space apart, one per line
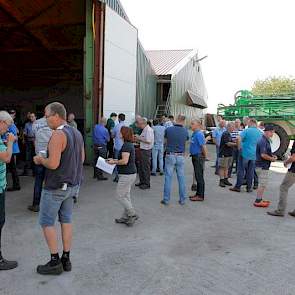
279 110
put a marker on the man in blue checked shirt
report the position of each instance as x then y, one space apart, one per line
216 134
101 137
118 142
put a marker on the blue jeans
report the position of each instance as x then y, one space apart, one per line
158 153
39 178
177 162
245 170
57 202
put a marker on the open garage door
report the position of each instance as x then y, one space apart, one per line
41 56
120 63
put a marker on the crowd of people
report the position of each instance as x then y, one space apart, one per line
55 151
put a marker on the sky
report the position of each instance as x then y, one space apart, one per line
245 40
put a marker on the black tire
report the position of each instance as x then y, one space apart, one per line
285 141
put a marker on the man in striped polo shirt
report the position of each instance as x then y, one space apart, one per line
234 135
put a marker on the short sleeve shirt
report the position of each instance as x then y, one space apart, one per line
224 149
197 141
147 134
250 138
263 147
130 168
217 133
118 142
292 168
176 136
159 133
15 147
2 169
42 133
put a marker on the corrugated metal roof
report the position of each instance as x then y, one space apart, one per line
164 61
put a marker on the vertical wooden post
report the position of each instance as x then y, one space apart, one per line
88 81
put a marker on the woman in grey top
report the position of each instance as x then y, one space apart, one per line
127 176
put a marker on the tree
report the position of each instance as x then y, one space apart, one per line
274 86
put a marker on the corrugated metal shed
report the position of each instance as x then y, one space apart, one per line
164 61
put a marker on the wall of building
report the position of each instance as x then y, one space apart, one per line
188 78
120 66
146 88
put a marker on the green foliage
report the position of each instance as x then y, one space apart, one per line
274 86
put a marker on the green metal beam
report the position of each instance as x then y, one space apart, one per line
88 87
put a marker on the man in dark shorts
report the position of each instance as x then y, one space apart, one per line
264 157
63 176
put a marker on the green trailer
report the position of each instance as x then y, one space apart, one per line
279 110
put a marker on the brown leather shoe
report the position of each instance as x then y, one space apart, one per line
196 199
235 189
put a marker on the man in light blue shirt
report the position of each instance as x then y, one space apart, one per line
246 165
158 148
216 135
15 151
118 142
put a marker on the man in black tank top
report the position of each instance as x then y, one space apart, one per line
64 166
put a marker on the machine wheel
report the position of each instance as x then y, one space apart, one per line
280 141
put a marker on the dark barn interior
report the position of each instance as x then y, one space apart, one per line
41 55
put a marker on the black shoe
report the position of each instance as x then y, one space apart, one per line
131 220
125 219
161 173
6 264
75 200
33 208
13 189
221 183
138 184
255 187
235 189
249 190
144 186
153 174
101 178
226 182
48 269
66 264
121 220
116 179
194 187
164 203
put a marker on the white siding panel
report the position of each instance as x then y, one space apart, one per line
120 62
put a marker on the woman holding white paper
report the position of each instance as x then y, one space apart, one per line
127 176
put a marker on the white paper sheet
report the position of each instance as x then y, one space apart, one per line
104 166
